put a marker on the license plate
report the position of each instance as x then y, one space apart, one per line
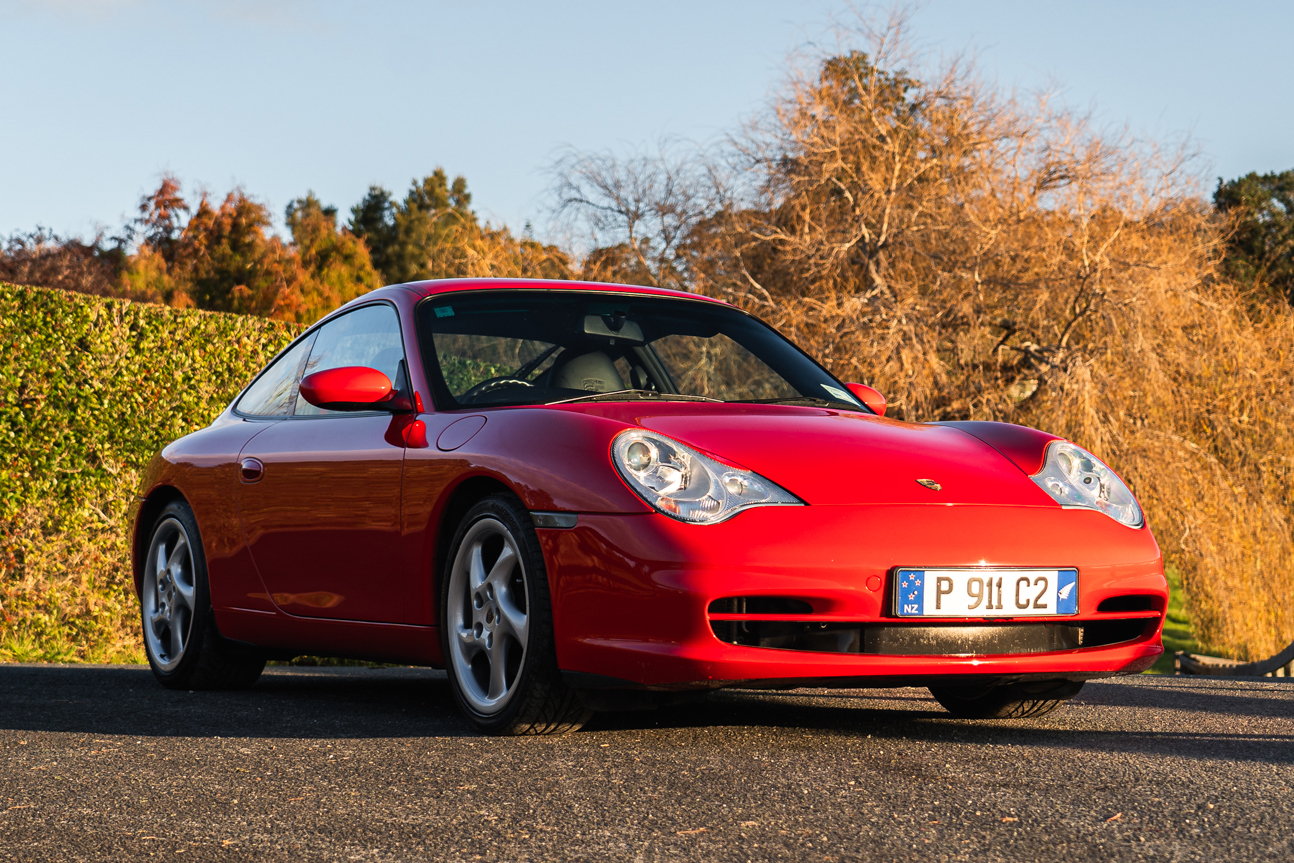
985 592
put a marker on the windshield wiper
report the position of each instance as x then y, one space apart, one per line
633 395
812 401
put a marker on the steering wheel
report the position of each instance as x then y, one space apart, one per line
491 384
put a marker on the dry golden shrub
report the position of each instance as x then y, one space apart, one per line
489 252
981 256
62 587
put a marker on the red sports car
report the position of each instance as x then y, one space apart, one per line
580 497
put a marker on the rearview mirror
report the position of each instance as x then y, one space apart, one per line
349 388
870 397
613 327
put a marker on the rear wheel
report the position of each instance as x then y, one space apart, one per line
497 626
1009 701
184 648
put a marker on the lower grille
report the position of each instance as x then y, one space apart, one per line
946 640
1102 632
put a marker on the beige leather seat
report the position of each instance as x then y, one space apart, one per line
592 372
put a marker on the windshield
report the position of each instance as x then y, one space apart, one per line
542 347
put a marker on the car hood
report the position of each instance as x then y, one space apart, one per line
830 457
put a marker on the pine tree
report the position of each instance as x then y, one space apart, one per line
1260 249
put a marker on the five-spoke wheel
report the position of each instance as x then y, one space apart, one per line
183 645
487 615
169 594
497 625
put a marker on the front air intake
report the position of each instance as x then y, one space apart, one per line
1130 602
760 605
740 631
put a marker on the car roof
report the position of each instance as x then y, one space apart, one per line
442 286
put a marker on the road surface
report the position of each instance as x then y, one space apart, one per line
99 763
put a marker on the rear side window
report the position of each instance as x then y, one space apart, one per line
275 391
369 336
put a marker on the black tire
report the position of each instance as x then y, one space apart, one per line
1009 701
502 623
175 602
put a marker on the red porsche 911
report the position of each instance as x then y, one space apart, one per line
579 497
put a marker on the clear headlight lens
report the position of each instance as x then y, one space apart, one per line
683 484
1075 477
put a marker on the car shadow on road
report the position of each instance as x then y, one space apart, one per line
285 702
1250 698
912 715
359 703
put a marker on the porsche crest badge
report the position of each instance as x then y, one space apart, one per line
930 484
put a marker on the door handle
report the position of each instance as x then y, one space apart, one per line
251 470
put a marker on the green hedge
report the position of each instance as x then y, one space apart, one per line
90 388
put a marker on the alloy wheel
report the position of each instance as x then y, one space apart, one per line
488 617
169 594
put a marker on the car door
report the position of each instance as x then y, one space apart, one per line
320 491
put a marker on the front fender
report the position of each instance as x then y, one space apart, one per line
553 459
1025 447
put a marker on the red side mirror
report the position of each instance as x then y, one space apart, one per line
349 388
870 397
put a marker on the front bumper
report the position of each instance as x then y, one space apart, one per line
633 594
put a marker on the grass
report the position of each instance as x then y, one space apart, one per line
1177 628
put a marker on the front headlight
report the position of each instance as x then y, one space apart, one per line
1075 477
683 484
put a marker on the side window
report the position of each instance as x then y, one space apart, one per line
365 337
275 390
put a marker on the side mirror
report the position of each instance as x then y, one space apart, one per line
349 388
870 397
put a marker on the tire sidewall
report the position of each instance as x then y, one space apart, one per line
539 652
178 677
1006 701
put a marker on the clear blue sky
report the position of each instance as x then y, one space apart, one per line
99 97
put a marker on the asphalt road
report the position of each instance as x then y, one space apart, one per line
99 763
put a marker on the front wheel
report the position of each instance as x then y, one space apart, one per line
497 626
1006 701
183 646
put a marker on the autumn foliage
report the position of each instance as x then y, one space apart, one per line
433 234
224 256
